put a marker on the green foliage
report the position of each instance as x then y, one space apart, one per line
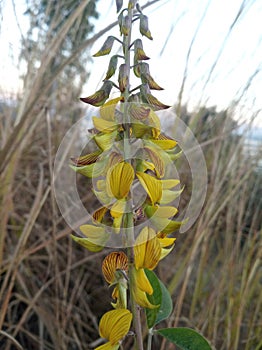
160 296
185 338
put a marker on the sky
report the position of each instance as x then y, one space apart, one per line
223 56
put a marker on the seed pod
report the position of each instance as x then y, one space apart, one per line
143 27
106 48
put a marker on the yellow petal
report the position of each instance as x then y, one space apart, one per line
107 111
165 252
152 186
169 196
90 170
142 281
172 226
147 249
143 165
140 130
104 125
167 184
155 122
162 212
119 180
140 296
117 224
92 232
105 141
108 346
165 144
88 244
115 324
95 240
117 212
118 209
166 241
103 197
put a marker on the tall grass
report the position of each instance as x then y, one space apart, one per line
51 293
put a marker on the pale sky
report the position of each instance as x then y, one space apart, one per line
232 66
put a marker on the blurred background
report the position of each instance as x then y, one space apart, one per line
207 55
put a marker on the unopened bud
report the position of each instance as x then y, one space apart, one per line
100 96
150 99
143 27
106 48
131 4
139 51
146 77
119 4
125 25
111 67
123 77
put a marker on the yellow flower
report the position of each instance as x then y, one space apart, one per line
147 253
114 326
114 268
119 180
114 190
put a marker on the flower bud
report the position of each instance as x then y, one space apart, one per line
146 77
139 52
143 27
150 99
106 48
111 67
125 25
100 96
119 4
131 4
123 77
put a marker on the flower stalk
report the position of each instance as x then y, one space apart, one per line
130 173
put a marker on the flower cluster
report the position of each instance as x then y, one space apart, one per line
131 170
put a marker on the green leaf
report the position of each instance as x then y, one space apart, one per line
185 338
166 306
160 296
155 298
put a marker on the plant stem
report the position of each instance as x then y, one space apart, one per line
129 223
150 337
